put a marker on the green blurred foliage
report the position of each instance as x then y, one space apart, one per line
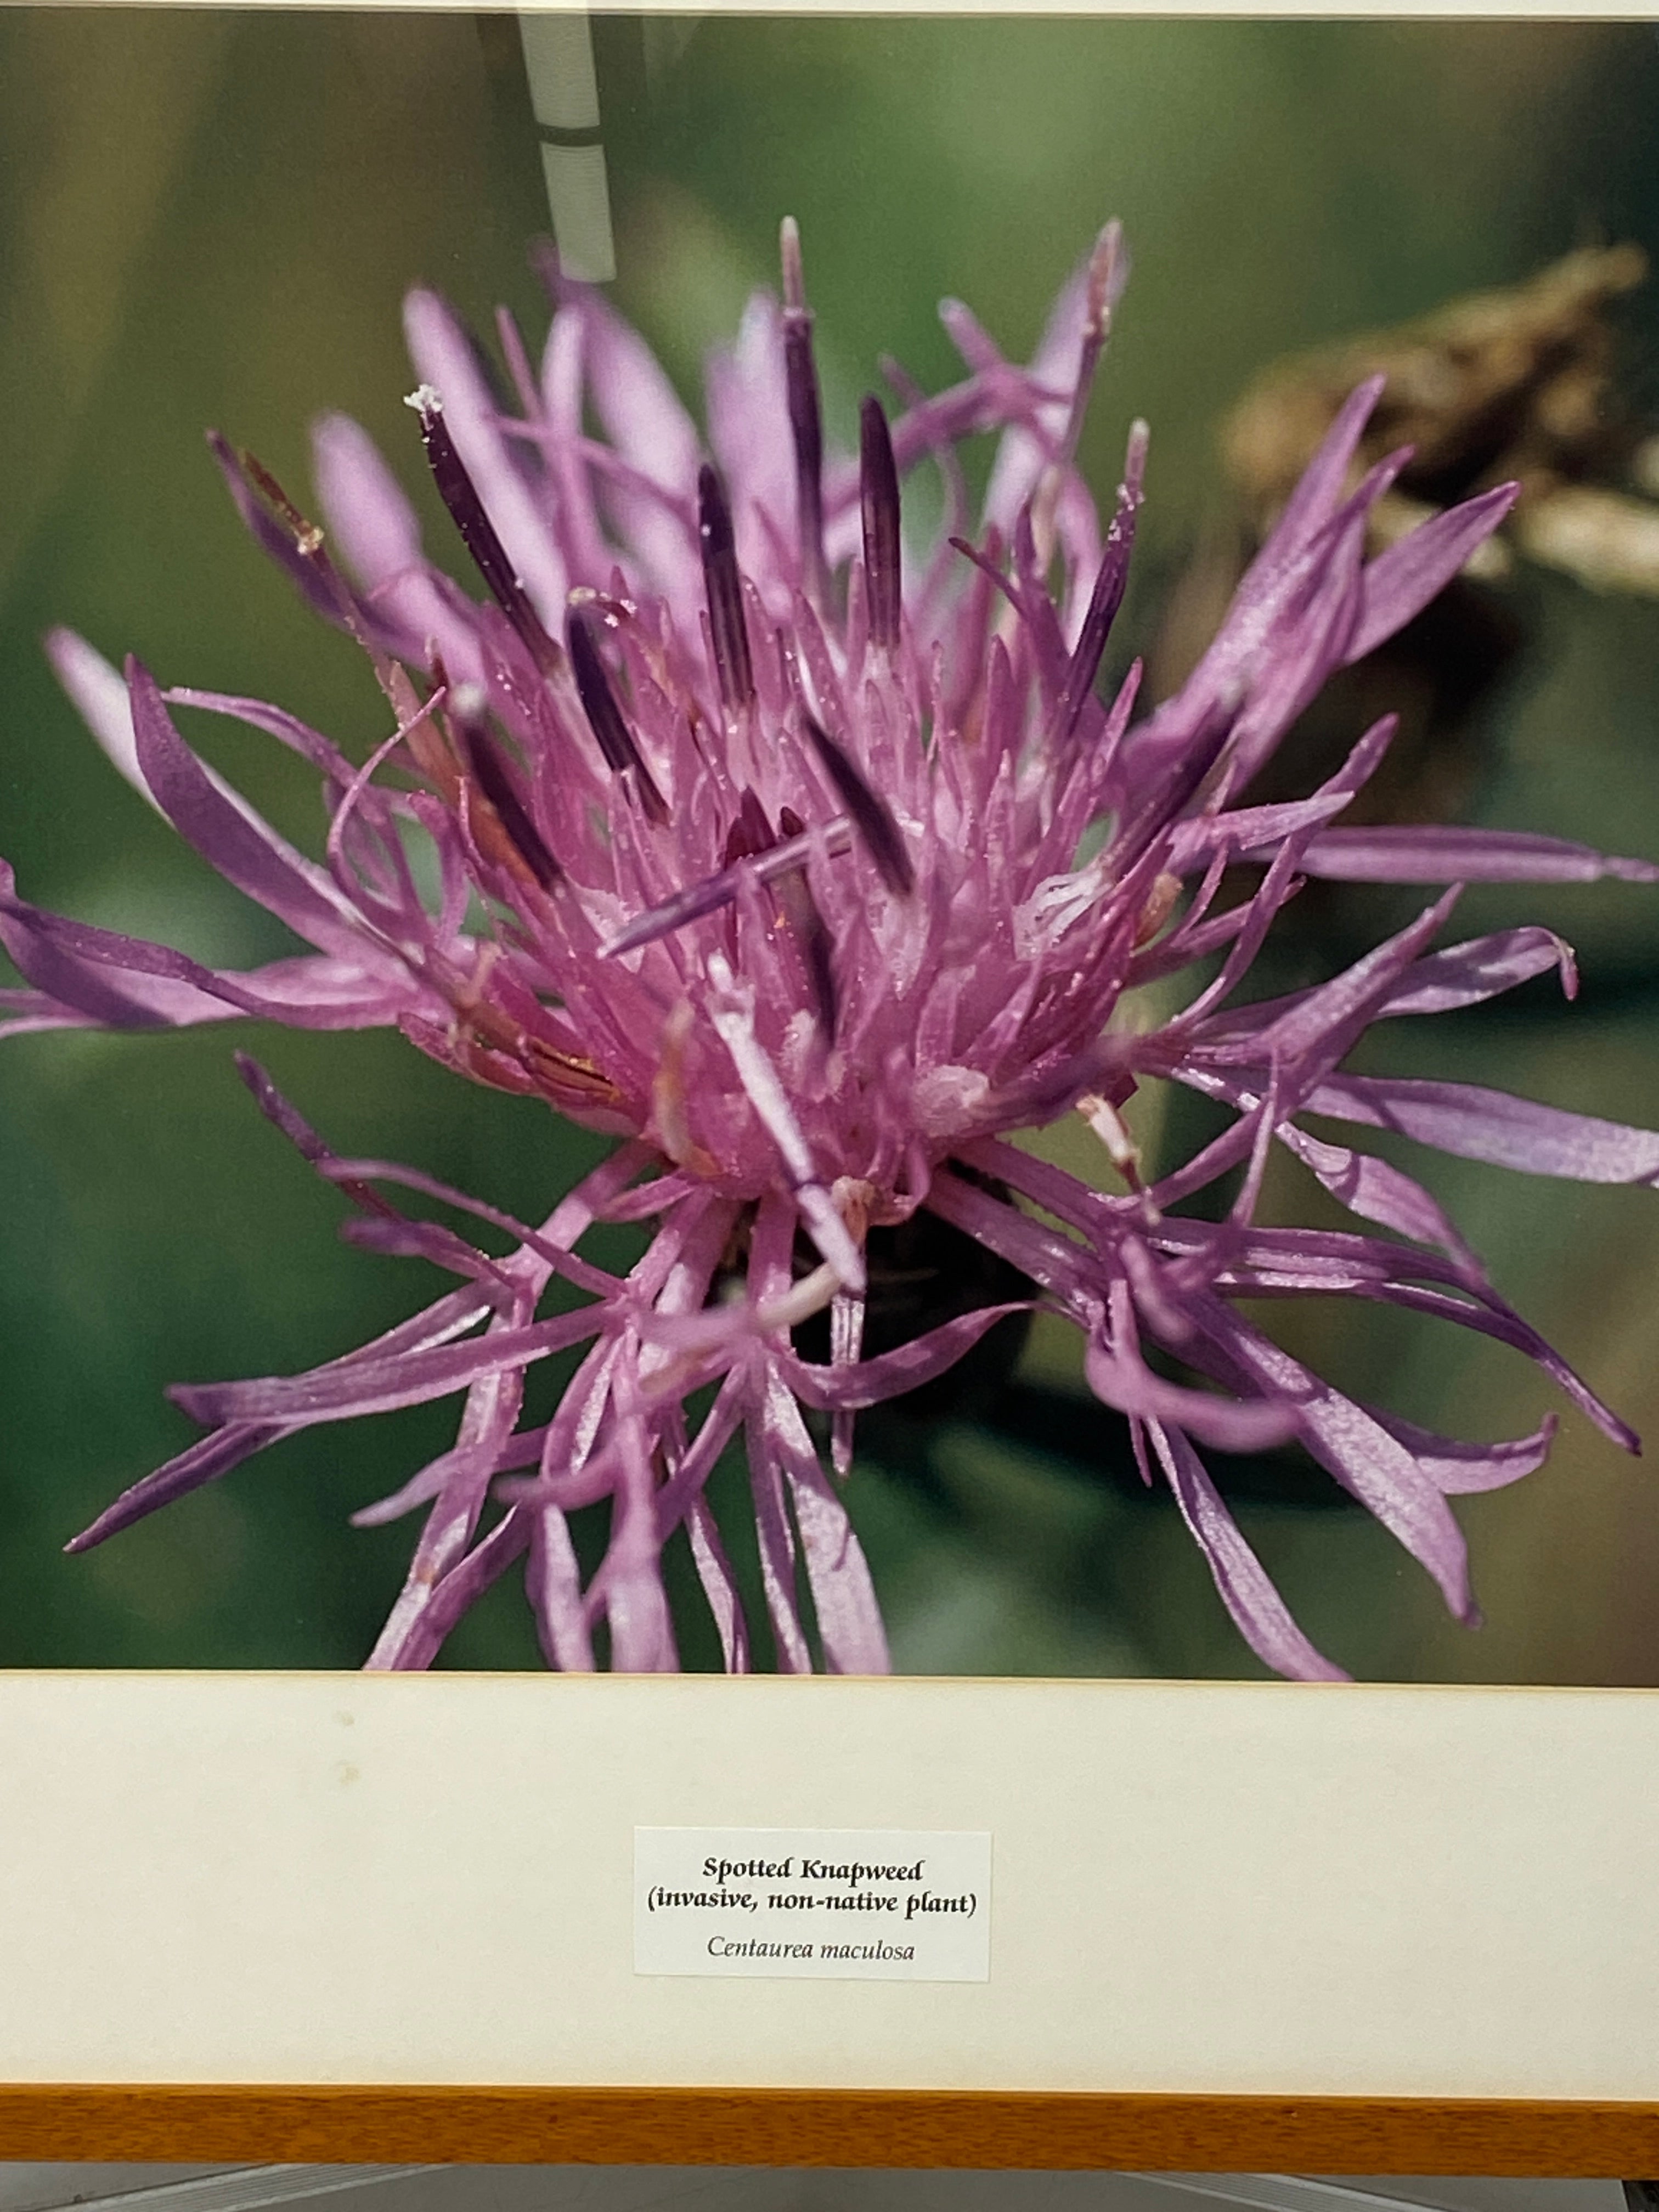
209 217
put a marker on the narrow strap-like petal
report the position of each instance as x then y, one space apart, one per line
1258 1611
1479 1124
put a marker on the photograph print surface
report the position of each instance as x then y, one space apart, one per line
831 844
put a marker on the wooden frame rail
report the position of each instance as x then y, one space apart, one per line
836 2128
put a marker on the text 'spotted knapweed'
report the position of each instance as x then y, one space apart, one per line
809 865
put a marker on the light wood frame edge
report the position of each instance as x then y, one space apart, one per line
1031 2129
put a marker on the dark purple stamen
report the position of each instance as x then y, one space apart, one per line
284 533
1107 596
460 495
605 717
800 376
870 814
724 585
1103 603
1178 787
811 931
494 779
879 504
812 935
749 833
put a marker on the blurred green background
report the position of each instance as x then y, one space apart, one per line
209 217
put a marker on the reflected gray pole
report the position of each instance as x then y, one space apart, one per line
564 94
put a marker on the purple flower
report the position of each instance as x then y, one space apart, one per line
810 865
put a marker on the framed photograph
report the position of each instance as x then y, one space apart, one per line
831 852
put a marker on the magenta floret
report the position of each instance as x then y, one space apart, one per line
813 867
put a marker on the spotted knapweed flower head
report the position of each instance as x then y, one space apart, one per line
806 862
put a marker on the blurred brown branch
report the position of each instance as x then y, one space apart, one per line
1517 384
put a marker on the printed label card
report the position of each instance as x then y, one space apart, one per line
821 1904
